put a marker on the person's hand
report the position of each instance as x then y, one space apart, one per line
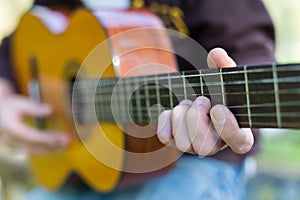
190 128
15 132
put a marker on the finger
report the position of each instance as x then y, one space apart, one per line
164 127
218 58
203 137
30 107
24 147
239 140
34 137
38 150
179 129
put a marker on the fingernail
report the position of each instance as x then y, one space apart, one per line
200 100
218 114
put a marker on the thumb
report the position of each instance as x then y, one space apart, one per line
218 58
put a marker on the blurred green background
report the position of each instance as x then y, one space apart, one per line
286 15
280 155
281 148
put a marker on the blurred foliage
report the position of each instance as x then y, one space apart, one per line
281 148
285 15
280 153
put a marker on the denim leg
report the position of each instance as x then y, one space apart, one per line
192 178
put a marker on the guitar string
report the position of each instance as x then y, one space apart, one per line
236 108
193 88
242 123
259 119
104 98
152 86
132 80
178 84
286 91
107 109
292 104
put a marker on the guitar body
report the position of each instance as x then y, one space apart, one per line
99 156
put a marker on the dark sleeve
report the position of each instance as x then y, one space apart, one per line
5 64
242 27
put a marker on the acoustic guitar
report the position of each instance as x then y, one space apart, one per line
109 75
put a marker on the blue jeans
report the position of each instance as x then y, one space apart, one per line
192 178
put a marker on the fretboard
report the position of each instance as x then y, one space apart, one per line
259 96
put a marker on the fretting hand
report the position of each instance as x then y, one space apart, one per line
190 128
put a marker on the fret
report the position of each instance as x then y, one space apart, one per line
201 83
184 85
107 104
261 85
102 98
122 99
108 100
170 91
247 96
146 91
128 113
222 87
276 93
157 86
117 102
98 101
138 101
78 99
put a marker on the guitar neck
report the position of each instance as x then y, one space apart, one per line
259 96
